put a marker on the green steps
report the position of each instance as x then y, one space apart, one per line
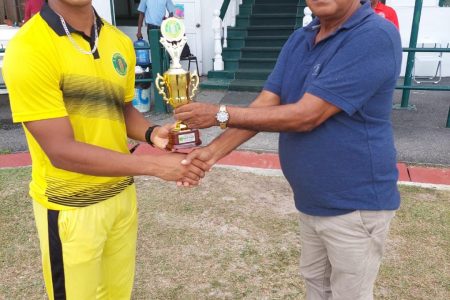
260 52
250 52
253 45
257 63
271 30
256 74
266 41
273 8
278 19
277 1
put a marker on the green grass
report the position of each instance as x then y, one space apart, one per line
233 237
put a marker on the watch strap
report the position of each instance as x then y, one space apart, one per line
148 134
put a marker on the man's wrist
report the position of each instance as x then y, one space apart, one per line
148 134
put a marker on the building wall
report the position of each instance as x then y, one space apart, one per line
208 8
103 8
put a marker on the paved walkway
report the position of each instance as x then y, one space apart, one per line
266 163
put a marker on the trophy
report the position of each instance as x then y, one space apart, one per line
177 86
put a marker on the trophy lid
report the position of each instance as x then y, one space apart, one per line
172 29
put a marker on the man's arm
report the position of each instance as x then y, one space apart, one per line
264 114
170 7
137 126
304 115
232 137
56 138
140 22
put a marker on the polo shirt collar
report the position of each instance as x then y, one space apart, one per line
52 19
363 12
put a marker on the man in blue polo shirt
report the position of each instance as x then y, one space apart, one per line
330 96
153 11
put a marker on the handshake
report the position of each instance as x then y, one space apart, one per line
187 169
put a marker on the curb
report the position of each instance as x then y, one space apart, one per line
268 164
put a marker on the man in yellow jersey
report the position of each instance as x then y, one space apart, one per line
70 77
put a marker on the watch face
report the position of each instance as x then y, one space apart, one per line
222 116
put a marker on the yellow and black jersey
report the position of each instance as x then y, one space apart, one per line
47 76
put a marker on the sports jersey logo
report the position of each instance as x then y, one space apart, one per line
119 64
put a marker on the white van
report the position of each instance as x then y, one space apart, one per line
6 34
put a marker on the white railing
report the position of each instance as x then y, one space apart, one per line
308 16
220 31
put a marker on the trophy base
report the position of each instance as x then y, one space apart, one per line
183 139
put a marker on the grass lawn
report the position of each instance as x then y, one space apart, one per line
234 237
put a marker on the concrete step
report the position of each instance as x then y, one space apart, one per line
225 74
246 85
215 84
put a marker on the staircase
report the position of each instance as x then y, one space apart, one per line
262 28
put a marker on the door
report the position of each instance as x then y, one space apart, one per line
190 10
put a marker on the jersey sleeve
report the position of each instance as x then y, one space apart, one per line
33 82
359 69
131 58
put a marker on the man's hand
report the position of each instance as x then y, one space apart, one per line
160 136
201 155
172 169
139 34
197 115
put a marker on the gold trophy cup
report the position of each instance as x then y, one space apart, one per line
177 86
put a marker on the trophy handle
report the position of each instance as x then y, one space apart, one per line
160 83
194 83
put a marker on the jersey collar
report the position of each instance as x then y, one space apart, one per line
52 19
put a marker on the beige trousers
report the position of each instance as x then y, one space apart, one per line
341 255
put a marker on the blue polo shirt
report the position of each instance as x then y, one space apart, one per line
349 162
155 10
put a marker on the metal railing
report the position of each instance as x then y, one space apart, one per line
224 8
412 49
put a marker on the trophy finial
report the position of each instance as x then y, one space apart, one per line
173 39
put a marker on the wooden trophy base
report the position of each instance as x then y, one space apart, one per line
183 139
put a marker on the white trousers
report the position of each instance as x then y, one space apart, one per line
341 255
